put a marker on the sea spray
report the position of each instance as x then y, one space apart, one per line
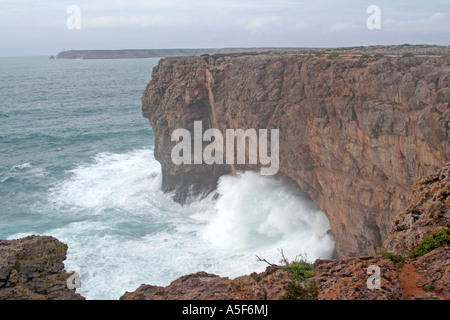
110 181
123 231
261 214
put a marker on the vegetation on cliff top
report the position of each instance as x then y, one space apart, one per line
397 259
299 288
299 271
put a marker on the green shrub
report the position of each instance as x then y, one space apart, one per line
408 55
299 271
365 56
395 258
300 288
439 238
428 287
306 291
333 55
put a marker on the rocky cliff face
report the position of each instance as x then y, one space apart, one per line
32 268
428 209
354 133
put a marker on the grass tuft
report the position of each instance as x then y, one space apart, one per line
439 238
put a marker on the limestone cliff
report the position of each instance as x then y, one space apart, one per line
354 133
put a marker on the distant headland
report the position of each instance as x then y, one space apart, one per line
166 53
159 53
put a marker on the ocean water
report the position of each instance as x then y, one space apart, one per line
77 163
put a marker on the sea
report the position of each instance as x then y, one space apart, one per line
77 163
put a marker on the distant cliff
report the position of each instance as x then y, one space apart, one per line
159 53
355 131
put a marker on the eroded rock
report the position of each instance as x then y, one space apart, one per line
428 210
270 284
32 268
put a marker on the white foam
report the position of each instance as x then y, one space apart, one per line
111 181
15 170
22 166
122 231
260 214
39 172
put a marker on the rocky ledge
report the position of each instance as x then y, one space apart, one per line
268 285
414 264
32 268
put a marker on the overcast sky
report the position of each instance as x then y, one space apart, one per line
38 27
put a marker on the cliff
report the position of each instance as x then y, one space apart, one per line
32 268
354 132
158 53
404 274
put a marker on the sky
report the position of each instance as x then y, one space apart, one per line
46 27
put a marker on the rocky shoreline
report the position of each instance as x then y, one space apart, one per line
32 268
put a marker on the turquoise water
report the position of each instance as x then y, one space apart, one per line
59 113
77 163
